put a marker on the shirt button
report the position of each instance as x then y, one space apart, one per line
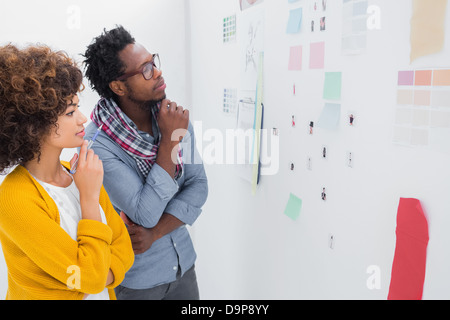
175 245
175 268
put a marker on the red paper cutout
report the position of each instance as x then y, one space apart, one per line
408 267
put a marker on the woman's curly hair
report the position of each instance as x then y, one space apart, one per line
36 84
102 61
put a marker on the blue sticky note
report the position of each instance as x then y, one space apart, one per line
360 8
329 118
295 20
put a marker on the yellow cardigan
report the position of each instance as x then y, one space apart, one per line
43 261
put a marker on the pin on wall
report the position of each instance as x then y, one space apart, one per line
324 194
324 154
351 119
309 163
331 240
291 166
350 159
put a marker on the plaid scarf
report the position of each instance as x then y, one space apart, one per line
126 135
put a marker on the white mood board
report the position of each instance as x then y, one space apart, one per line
353 59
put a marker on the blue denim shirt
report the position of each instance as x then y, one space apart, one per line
144 200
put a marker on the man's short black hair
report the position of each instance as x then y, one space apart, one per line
102 62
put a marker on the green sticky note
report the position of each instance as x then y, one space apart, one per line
293 207
332 86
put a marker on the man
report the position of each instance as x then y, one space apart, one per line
146 174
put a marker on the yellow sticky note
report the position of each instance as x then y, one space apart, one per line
427 27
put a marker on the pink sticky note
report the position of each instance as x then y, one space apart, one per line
295 58
317 55
406 78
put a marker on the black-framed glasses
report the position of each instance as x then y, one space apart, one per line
146 69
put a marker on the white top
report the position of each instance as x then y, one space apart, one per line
68 202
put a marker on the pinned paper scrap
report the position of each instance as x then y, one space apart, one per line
295 20
427 27
293 207
332 86
295 58
329 118
408 266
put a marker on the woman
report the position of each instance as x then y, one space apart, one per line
60 235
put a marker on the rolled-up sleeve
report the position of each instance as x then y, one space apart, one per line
187 203
164 186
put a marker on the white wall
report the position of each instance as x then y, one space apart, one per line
71 25
247 247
